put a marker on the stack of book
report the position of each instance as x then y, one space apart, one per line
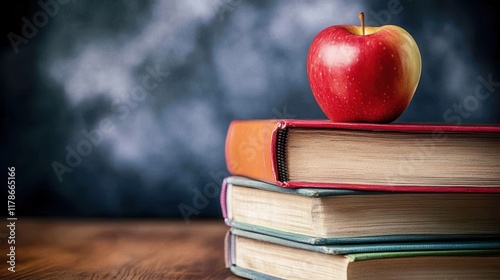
324 200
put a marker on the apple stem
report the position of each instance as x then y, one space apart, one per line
361 16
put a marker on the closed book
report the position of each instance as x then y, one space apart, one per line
257 256
365 156
339 216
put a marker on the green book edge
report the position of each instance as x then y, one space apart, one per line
381 248
427 253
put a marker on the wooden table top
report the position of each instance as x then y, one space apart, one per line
117 249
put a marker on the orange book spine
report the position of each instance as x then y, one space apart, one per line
251 149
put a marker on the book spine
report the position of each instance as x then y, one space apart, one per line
223 202
229 249
251 149
280 150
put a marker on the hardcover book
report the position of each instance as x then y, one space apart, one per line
364 156
257 256
336 216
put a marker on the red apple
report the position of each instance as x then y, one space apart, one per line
363 74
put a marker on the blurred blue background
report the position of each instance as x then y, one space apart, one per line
120 108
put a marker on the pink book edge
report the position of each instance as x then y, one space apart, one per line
223 202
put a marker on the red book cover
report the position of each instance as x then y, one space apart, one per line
255 149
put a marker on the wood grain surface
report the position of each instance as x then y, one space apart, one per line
117 249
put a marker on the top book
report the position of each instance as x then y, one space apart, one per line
363 156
